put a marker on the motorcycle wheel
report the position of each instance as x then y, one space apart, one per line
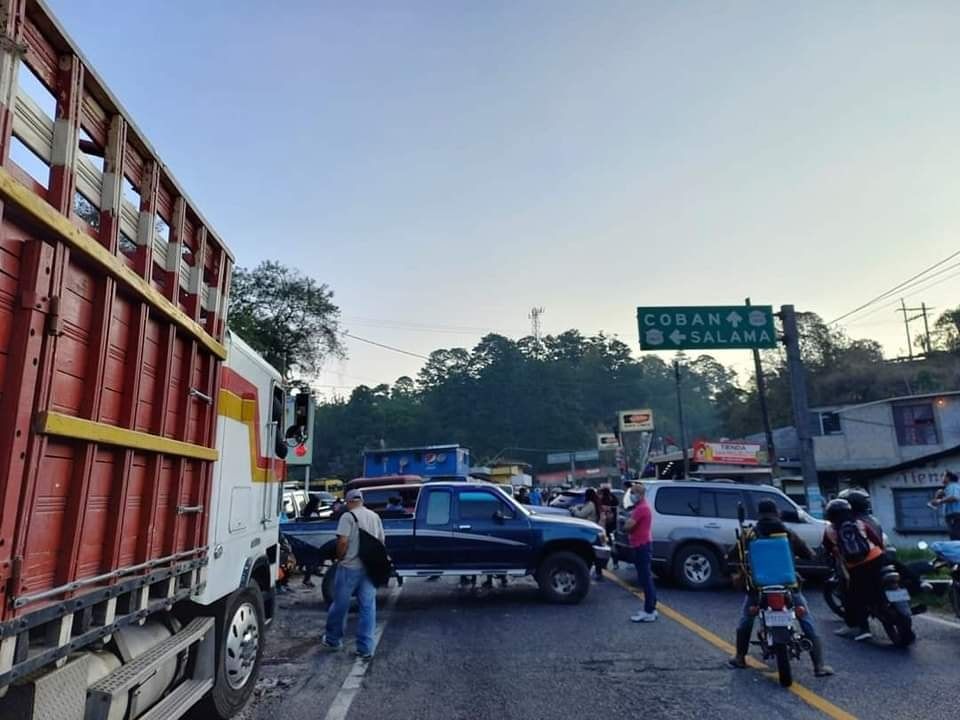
899 628
784 671
834 599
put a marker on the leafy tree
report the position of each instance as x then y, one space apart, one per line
286 316
946 331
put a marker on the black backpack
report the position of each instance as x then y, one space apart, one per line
373 555
854 546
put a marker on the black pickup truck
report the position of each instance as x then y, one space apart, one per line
474 528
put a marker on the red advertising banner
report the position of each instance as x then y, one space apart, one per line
729 453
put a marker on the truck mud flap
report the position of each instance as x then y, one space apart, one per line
124 681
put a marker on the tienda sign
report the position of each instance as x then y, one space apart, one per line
729 453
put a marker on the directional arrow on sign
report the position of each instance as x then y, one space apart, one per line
677 337
734 319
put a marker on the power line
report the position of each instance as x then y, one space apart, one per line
895 289
916 290
434 327
386 347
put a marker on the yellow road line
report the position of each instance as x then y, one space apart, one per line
805 694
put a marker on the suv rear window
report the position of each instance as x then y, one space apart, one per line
720 503
757 495
678 501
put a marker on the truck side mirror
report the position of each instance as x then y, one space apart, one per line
741 514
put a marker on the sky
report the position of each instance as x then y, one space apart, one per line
447 166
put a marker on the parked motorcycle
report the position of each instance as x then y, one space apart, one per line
891 606
947 556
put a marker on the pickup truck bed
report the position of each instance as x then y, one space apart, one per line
473 529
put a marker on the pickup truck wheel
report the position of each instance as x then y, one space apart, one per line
326 587
696 567
564 578
240 638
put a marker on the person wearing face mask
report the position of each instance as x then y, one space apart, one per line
639 529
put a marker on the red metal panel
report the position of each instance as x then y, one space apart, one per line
69 96
134 529
19 384
119 502
75 340
41 55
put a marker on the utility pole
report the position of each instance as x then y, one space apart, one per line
764 411
683 429
906 325
907 320
801 411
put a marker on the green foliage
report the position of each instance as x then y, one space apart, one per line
286 316
843 371
556 394
552 395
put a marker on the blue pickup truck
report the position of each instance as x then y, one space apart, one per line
472 528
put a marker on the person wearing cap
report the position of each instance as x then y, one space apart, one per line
351 578
769 523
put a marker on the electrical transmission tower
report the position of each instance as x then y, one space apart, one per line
535 325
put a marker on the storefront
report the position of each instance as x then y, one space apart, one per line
901 496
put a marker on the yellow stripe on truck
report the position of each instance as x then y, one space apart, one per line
234 407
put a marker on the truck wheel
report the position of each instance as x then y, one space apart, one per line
240 627
326 587
696 567
564 578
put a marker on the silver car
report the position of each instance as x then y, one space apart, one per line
695 524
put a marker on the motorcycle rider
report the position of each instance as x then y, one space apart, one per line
859 552
862 506
769 523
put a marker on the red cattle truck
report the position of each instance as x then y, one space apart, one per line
139 453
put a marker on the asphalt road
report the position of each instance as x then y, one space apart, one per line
501 654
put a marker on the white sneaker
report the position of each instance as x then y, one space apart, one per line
866 635
644 617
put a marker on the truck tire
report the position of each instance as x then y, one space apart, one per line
696 567
564 578
240 637
326 587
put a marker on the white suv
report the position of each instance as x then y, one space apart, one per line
695 523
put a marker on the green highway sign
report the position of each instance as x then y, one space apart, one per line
718 327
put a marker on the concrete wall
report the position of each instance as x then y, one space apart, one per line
927 476
869 438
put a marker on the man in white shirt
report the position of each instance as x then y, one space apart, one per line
351 578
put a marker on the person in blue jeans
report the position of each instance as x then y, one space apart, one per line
351 579
639 529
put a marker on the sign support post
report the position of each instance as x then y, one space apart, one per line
801 411
683 428
764 411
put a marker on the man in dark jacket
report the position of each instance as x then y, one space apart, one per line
769 523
